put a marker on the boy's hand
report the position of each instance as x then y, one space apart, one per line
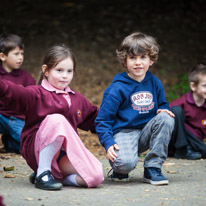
111 154
165 110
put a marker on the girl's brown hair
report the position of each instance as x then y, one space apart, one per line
55 55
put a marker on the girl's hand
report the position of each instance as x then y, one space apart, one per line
165 110
111 154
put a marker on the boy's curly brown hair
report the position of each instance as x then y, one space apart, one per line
137 44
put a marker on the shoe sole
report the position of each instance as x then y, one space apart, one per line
120 180
57 186
162 182
188 158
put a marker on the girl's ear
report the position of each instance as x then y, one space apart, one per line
44 70
192 86
2 56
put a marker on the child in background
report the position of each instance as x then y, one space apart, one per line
50 142
1 201
190 118
11 59
134 115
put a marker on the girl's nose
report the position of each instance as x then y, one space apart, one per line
65 74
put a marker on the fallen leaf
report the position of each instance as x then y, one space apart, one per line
169 163
9 168
29 198
172 172
9 176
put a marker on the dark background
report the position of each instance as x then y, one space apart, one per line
94 29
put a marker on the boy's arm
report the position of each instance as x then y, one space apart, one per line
167 111
105 120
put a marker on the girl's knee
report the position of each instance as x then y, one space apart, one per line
57 118
97 179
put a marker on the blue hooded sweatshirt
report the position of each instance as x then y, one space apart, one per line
128 104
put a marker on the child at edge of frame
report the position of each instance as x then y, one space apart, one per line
11 59
134 115
187 141
50 141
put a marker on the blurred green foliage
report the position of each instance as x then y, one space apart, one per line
178 89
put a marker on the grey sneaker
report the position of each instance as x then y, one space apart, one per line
117 177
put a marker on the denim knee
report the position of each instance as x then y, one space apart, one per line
124 166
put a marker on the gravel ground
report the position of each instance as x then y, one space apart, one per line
186 187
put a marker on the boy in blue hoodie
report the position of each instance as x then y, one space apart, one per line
134 115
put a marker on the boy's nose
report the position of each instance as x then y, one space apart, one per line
137 61
21 56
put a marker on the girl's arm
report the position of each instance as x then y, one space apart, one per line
14 96
89 113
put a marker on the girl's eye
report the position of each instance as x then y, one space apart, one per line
70 71
143 56
59 70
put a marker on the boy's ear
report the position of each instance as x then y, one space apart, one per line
2 56
44 69
192 86
151 62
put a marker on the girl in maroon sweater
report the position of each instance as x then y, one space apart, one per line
50 142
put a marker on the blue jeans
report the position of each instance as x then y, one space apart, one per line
11 128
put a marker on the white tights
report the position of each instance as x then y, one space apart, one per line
47 154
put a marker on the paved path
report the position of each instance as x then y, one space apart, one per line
187 187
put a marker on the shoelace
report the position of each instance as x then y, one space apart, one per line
156 171
109 174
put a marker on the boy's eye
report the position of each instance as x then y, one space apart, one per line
143 56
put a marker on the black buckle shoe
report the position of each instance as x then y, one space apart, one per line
32 178
51 184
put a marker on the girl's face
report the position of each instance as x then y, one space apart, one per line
138 66
61 75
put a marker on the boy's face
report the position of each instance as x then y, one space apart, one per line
199 90
138 66
13 60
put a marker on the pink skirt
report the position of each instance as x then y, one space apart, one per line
85 163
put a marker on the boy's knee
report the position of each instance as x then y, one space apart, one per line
177 110
124 166
167 120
